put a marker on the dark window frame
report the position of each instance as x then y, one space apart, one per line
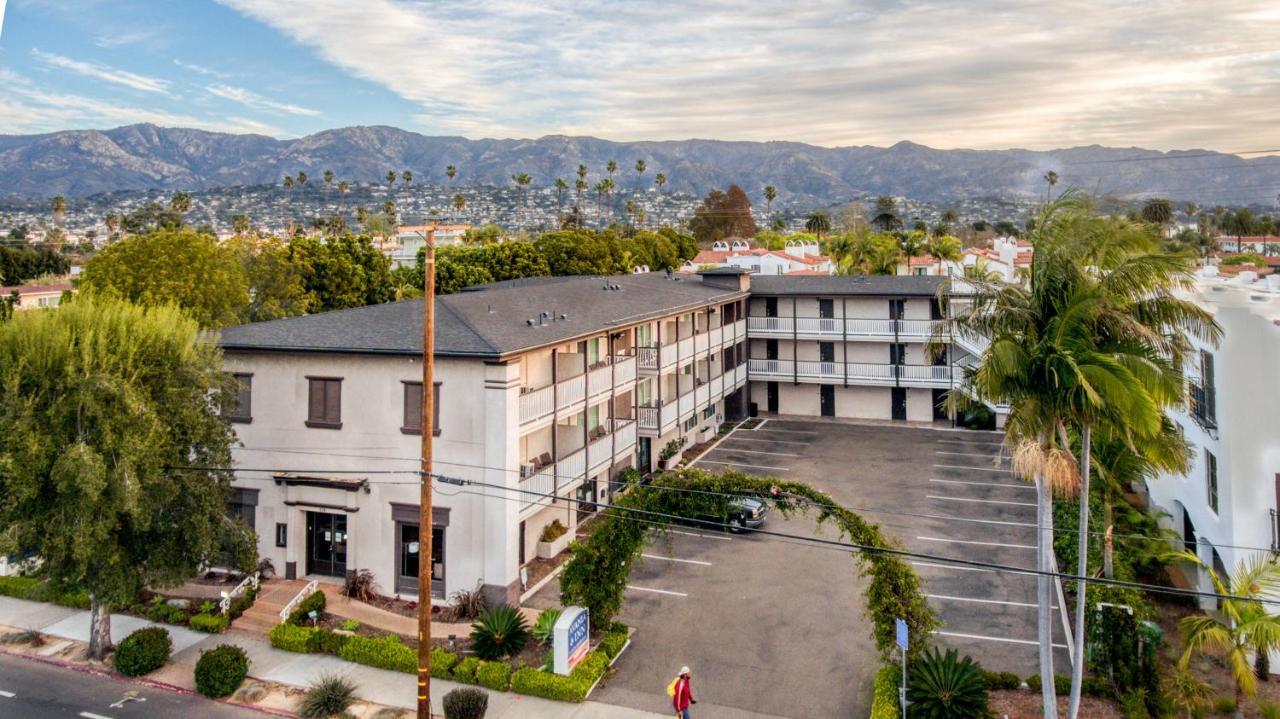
324 420
1211 480
245 380
405 426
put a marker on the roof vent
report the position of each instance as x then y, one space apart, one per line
529 322
617 288
564 316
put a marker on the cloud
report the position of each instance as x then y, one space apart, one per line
201 69
258 102
114 40
1000 73
103 72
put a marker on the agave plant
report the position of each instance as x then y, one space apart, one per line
499 632
546 624
328 696
942 686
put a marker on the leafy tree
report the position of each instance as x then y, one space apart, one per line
453 271
945 249
112 412
150 217
1050 179
341 272
173 267
275 284
819 223
459 202
581 252
19 264
513 260
180 203
722 215
482 235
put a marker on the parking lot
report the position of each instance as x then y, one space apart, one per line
777 627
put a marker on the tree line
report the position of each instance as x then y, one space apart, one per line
20 264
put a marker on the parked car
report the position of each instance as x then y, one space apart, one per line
744 513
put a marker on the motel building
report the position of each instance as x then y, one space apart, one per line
546 390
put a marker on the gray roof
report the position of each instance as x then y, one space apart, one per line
485 321
876 285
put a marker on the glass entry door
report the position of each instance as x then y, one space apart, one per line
327 544
407 561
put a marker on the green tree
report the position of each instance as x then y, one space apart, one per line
328 179
611 167
770 194
722 215
59 207
180 203
1157 211
486 235
581 252
275 284
451 172
111 420
241 225
522 180
341 272
459 203
641 166
660 180
819 223
302 180
1244 627
391 178
946 249
561 187
180 267
1050 179
407 176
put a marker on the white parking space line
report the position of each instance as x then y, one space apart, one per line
980 501
1013 485
971 442
748 466
983 638
980 469
91 715
983 521
674 559
975 542
773 441
704 536
643 589
806 432
7 695
946 598
756 451
758 426
971 454
952 566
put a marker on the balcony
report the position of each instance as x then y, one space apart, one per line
857 373
652 359
854 328
539 404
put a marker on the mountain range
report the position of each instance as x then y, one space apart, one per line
86 162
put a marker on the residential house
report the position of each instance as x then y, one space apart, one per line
30 297
797 257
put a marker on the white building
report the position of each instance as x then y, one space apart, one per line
1005 257
546 385
796 257
1226 503
411 238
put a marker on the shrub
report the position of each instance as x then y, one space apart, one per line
553 531
1224 706
465 670
210 624
613 643
544 627
943 686
465 703
18 587
143 651
384 653
1133 705
884 699
1096 687
442 663
28 636
167 614
33 589
499 632
494 675
997 681
468 605
1269 710
208 607
221 670
313 603
1061 683
326 697
360 586
292 638
241 603
350 625
573 688
326 641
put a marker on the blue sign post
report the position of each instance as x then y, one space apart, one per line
902 637
571 637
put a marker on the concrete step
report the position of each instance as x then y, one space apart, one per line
256 624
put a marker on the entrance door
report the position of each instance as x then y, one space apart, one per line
939 404
771 390
644 454
327 544
899 398
771 307
828 400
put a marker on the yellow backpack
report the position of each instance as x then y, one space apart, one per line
671 688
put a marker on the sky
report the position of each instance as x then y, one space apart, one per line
951 73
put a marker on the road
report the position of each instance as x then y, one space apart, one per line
34 690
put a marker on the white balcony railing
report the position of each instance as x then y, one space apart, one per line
536 404
599 452
571 391
542 483
600 380
624 437
852 328
854 372
624 369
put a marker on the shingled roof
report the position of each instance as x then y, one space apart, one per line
486 321
873 285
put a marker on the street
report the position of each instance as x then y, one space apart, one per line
34 690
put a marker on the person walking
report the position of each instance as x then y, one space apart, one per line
683 695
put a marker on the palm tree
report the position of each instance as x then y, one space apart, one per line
609 187
561 187
1189 209
913 244
288 182
391 178
660 180
819 223
59 207
241 225
770 194
580 186
640 168
302 179
601 188
1157 211
1051 179
343 186
389 209
459 202
112 221
1244 626
407 176
944 249
328 179
582 171
362 215
522 180
1187 692
451 172
611 167
180 202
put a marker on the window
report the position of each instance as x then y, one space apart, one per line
413 409
826 309
282 534
241 409
1211 479
897 308
709 412
324 402
644 336
691 423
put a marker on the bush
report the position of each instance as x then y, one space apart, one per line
326 697
313 603
1269 710
210 624
360 586
1061 683
468 605
494 675
499 632
241 603
1096 687
544 627
573 688
384 653
1133 705
19 587
944 686
350 625
465 703
465 670
442 663
613 643
884 699
221 670
166 614
146 650
553 531
326 641
1224 706
997 681
35 590
292 638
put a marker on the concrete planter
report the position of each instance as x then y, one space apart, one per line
548 550
671 463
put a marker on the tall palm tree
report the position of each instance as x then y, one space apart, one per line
1189 210
302 179
288 182
561 187
407 176
1050 179
59 207
522 180
391 178
945 249
770 194
640 168
459 203
582 171
913 244
601 188
343 187
580 186
1245 626
660 180
362 215
389 209
611 167
451 172
819 223
328 179
241 225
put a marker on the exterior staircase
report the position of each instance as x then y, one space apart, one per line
273 595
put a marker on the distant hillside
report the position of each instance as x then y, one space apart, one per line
85 162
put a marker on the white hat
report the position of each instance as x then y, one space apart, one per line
684 670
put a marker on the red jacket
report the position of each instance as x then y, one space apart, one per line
683 696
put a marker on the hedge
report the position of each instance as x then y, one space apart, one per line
384 653
36 590
292 638
465 671
209 623
573 688
613 643
1089 686
494 675
884 699
313 603
442 663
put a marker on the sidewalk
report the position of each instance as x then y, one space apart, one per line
267 663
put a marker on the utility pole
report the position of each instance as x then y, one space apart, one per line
424 504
